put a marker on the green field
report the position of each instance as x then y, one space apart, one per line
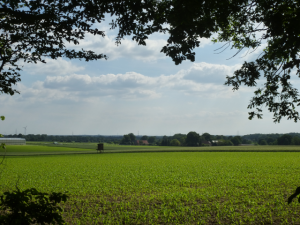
163 187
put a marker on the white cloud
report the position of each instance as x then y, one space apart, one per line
129 85
129 48
52 67
205 41
200 80
209 73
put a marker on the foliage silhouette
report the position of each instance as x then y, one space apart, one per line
297 192
31 207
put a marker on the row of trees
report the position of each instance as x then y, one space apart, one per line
190 139
195 139
274 139
285 139
129 139
69 138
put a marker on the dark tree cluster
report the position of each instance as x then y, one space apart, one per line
275 139
151 140
128 139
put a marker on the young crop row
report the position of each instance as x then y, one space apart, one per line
165 188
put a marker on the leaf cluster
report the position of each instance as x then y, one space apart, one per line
30 31
272 24
294 195
31 207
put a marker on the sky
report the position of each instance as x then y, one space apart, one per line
137 90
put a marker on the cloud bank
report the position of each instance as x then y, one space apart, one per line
200 80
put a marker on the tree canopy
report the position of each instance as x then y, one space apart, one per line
285 139
152 139
193 139
236 140
145 137
206 136
30 31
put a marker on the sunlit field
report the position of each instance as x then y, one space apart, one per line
164 187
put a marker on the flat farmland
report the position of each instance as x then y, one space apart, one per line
24 150
165 187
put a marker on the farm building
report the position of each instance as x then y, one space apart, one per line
206 143
13 141
141 142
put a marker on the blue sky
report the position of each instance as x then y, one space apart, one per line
138 90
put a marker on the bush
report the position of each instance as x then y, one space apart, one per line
175 142
262 142
224 143
31 207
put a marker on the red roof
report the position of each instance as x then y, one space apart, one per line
139 142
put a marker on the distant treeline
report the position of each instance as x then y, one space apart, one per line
190 139
274 139
195 139
63 138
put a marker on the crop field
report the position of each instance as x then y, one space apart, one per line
165 187
13 150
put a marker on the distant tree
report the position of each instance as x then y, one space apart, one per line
151 140
270 140
246 141
182 140
175 142
180 137
219 137
145 137
285 139
223 142
193 139
206 137
126 140
296 140
236 140
132 137
262 142
165 141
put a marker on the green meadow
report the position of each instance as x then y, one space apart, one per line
162 187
